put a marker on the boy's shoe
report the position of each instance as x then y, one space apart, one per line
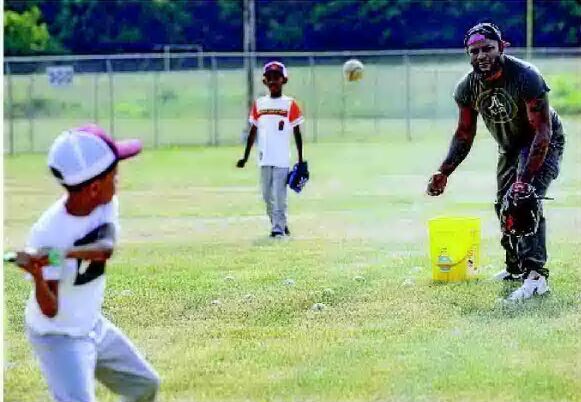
286 231
504 275
276 234
535 284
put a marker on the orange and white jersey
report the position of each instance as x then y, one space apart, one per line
275 119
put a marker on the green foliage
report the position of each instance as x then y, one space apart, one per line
132 110
565 95
558 19
93 26
40 107
24 33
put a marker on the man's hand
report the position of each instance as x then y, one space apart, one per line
520 210
241 163
437 184
519 188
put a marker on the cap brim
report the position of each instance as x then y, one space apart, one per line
128 148
273 72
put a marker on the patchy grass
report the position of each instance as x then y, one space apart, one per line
194 231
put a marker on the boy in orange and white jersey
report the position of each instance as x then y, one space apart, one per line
274 117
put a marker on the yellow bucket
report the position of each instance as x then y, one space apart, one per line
454 248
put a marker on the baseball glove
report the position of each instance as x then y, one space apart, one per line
520 210
298 176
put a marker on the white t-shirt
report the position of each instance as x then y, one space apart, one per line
275 119
81 284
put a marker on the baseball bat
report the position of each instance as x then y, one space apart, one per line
10 256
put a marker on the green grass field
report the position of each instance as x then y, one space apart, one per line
194 231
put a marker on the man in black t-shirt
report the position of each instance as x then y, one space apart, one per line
512 97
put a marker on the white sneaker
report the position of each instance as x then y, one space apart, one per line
504 275
530 287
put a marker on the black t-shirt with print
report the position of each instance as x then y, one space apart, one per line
502 102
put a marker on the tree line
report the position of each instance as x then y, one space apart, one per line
34 27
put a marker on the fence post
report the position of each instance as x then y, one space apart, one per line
314 100
111 98
10 108
166 58
200 59
406 60
375 87
436 93
30 112
214 84
96 98
210 113
155 107
343 105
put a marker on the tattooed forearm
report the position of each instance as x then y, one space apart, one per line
537 105
459 149
536 157
461 142
539 118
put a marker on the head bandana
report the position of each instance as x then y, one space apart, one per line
482 31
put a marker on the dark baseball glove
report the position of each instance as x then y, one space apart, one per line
298 176
520 210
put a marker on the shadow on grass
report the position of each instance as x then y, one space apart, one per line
267 241
486 300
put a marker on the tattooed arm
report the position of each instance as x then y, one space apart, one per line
462 140
540 120
459 149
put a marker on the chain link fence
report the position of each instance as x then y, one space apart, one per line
201 98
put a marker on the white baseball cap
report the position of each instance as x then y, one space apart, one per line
83 153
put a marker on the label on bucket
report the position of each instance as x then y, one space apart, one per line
444 261
470 265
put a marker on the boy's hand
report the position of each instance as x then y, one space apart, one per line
241 163
32 261
437 184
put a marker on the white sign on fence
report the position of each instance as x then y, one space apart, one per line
60 76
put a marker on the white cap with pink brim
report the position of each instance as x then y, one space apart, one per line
83 153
